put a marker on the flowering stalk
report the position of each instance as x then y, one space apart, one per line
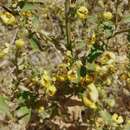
67 26
16 73
116 17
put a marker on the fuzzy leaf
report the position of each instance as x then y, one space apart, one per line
106 116
126 19
24 114
4 108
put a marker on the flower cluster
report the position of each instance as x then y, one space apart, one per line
47 84
7 18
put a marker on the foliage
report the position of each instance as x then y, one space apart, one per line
64 65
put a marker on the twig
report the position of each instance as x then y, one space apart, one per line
36 2
119 32
14 36
16 64
7 9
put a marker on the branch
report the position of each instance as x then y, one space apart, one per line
119 32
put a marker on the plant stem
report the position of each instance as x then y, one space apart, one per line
16 64
67 26
119 32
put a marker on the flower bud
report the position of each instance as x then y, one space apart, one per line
19 43
82 13
107 15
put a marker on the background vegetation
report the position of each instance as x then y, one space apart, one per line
64 65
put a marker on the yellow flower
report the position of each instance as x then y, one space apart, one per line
90 97
61 77
68 58
88 103
93 92
69 54
19 43
89 78
82 13
107 58
45 79
112 68
99 122
72 75
117 119
7 18
46 82
104 70
51 90
124 76
62 72
128 121
78 63
107 15
91 39
108 81
97 68
35 80
111 102
26 13
41 109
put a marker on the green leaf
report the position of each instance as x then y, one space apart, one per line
108 25
81 45
96 51
34 44
108 33
21 3
127 127
91 67
83 71
4 108
93 92
107 28
92 19
23 114
26 96
106 116
28 6
35 22
126 19
127 124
